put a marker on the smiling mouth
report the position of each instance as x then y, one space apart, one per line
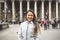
30 18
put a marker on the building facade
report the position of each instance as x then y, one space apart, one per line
15 10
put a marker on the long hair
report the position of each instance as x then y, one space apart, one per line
36 26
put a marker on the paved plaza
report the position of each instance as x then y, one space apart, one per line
11 33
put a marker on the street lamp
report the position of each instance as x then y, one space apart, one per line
9 11
3 11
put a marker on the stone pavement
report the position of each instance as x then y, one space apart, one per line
53 34
11 33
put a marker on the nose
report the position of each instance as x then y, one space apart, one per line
30 16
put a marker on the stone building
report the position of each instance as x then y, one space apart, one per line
15 10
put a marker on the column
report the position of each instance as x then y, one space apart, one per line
0 11
50 14
35 7
27 5
57 13
21 15
43 12
57 10
50 11
5 8
13 12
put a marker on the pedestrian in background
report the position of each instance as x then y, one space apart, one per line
29 29
59 23
41 22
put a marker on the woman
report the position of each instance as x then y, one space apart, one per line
29 29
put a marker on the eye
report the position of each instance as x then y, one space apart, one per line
30 15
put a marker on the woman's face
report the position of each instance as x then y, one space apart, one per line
30 16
